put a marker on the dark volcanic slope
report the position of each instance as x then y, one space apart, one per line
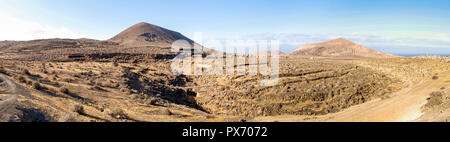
49 44
339 48
148 34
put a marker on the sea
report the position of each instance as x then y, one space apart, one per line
413 55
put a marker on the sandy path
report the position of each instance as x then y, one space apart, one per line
403 106
13 90
11 85
7 104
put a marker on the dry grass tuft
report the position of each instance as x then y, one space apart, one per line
118 114
77 109
67 117
435 99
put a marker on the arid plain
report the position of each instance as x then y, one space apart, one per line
129 79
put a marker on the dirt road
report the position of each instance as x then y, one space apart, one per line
8 100
402 106
11 85
11 92
13 88
10 88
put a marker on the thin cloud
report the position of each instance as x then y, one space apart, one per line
15 28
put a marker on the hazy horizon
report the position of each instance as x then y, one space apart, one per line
398 27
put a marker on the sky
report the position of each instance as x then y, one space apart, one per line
393 26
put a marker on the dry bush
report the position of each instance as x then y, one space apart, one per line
48 82
33 115
76 108
435 99
107 84
67 117
98 88
38 86
64 90
25 71
69 80
166 112
3 71
77 76
20 78
435 77
29 82
119 114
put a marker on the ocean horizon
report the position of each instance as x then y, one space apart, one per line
413 55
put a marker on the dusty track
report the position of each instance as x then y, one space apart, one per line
402 106
7 103
13 87
11 90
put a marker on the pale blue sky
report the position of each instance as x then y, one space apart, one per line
395 26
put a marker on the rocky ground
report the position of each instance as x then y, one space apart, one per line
437 108
88 80
306 87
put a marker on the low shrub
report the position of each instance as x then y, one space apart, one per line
25 71
119 114
68 118
77 108
435 77
435 99
64 90
38 86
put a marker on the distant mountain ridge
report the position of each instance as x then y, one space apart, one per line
339 48
278 52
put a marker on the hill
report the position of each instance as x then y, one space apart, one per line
339 48
148 34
